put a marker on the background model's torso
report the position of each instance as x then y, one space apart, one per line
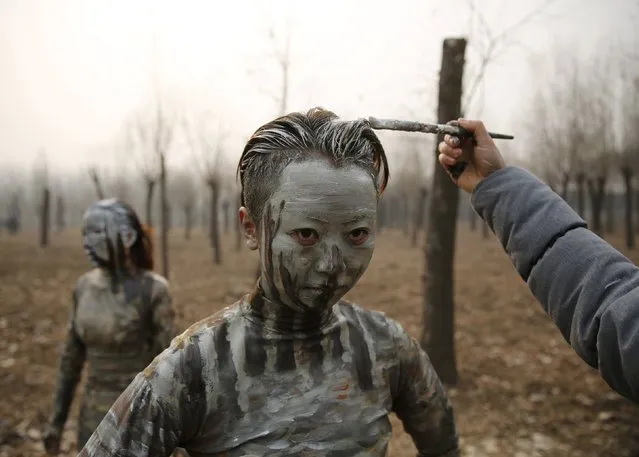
115 327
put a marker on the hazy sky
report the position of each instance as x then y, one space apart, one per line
72 71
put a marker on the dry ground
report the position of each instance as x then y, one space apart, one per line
523 392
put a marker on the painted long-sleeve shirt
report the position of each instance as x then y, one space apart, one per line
588 288
257 380
118 332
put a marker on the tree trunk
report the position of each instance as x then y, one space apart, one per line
596 190
188 220
97 183
419 214
627 174
611 212
164 218
438 336
14 220
214 228
150 189
45 217
580 180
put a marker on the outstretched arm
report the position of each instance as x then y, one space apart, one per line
586 286
69 372
161 409
421 402
138 424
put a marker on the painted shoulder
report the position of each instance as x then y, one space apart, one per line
157 278
190 350
375 322
160 285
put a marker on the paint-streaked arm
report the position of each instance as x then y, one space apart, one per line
70 366
160 410
421 402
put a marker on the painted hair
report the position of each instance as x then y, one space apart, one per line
299 136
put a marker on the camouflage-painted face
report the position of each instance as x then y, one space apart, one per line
318 234
106 230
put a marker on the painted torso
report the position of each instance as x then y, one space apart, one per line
234 385
117 331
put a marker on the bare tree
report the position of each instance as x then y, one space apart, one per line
629 149
94 175
438 318
142 135
206 144
151 136
185 194
43 195
279 53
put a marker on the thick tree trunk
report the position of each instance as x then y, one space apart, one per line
629 194
438 336
596 190
214 229
150 190
164 218
422 198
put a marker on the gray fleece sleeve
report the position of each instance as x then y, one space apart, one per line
587 287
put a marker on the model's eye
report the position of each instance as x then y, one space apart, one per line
306 237
358 236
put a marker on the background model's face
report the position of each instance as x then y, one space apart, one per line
95 238
318 234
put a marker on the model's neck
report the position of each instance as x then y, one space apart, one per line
284 318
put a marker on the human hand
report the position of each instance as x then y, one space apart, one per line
51 440
482 154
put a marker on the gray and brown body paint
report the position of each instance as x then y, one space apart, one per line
117 334
277 374
232 385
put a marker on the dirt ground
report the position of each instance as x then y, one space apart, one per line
523 392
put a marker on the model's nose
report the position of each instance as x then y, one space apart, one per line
332 260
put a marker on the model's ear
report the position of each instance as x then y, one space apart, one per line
249 228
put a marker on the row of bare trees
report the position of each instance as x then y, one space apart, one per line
583 138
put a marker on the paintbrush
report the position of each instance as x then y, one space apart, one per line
413 126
